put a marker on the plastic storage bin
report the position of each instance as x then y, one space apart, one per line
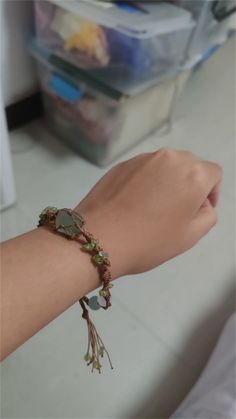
211 23
97 125
121 44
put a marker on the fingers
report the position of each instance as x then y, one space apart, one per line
212 174
214 195
205 219
205 180
207 215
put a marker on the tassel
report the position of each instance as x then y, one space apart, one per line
96 347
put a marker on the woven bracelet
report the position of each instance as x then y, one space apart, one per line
70 224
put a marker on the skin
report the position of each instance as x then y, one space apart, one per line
144 211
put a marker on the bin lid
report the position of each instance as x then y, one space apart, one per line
139 20
76 74
72 73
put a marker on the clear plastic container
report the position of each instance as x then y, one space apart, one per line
211 23
97 125
120 44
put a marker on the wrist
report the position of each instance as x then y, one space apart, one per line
73 268
107 234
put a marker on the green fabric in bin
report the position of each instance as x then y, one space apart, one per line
64 89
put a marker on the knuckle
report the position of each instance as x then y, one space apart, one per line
165 152
197 175
172 153
188 154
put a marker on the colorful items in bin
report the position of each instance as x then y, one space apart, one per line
128 6
99 47
64 89
80 35
45 11
129 52
94 118
123 44
92 110
100 121
97 131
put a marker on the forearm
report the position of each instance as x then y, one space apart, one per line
42 275
144 212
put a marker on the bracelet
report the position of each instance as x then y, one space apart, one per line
70 224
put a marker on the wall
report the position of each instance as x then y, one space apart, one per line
18 75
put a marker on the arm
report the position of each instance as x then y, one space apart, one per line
42 275
144 211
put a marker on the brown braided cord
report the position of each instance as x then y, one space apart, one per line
96 347
105 273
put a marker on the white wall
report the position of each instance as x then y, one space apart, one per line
18 75
7 186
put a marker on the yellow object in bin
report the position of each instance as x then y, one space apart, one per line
121 46
97 125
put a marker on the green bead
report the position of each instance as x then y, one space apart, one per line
87 357
99 258
47 210
103 293
104 255
101 351
96 365
93 303
44 213
90 246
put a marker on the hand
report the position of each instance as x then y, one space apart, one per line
144 212
152 208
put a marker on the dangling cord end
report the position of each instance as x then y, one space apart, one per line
96 347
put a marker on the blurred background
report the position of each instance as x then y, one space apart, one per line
84 85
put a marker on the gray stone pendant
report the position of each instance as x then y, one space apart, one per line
68 223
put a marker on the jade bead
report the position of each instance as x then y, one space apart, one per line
65 223
99 257
93 303
90 246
